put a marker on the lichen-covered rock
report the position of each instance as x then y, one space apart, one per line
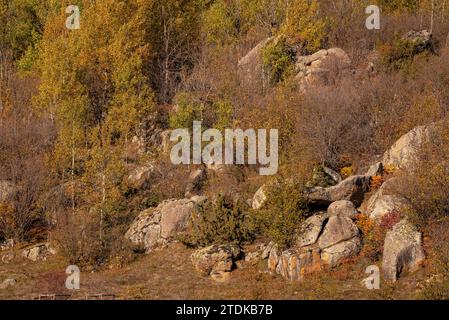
402 251
250 67
260 197
333 255
352 189
404 152
316 68
422 40
310 230
141 177
215 259
160 225
294 264
342 207
385 201
38 252
338 229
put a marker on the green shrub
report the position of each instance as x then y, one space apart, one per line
285 209
218 222
278 60
400 54
188 110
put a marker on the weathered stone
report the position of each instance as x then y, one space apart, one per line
385 200
422 40
336 177
404 152
267 250
352 189
338 229
342 207
160 225
316 69
38 252
375 170
215 258
250 67
141 177
175 216
260 197
333 255
310 230
402 251
294 264
273 258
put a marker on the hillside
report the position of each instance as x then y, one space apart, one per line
216 149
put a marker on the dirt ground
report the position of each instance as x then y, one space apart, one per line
169 274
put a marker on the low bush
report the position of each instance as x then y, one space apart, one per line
284 211
220 221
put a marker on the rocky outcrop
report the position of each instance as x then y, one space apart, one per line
294 264
215 259
38 252
402 251
160 225
7 190
141 177
324 240
250 67
352 189
316 69
385 201
404 152
310 230
260 197
343 208
338 229
333 255
422 40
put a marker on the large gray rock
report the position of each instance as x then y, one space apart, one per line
316 68
338 229
402 251
333 255
404 152
352 189
310 230
342 207
7 190
215 259
250 67
160 225
385 200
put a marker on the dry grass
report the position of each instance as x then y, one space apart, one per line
169 274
